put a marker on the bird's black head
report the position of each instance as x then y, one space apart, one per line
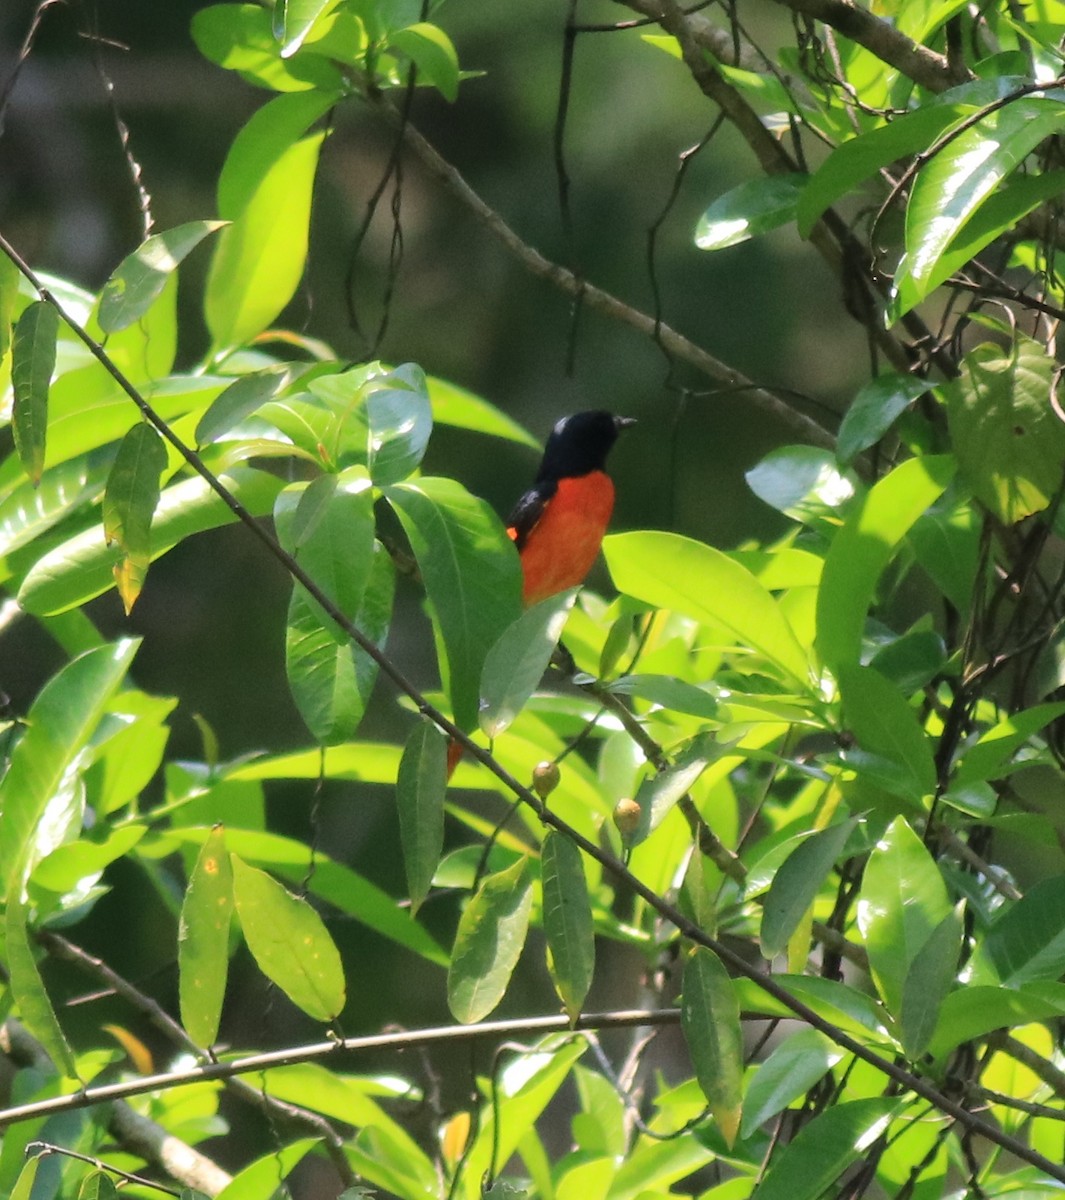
579 444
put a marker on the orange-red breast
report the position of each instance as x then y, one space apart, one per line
559 523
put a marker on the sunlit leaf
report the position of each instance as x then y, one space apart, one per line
876 712
10 278
794 1066
141 276
27 988
400 421
751 209
928 981
874 410
239 400
203 940
289 942
431 51
488 943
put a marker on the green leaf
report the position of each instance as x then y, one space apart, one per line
261 1179
912 660
667 692
59 724
751 209
33 352
97 1185
862 157
400 421
1009 441
1027 942
472 576
331 681
674 572
824 1148
516 663
29 510
975 1010
420 788
1000 212
793 1068
862 549
129 504
24 1184
289 942
259 258
27 988
431 51
10 279
989 757
946 542
69 864
961 175
929 979
240 400
710 1018
903 900
568 925
140 277
79 569
488 943
796 884
296 19
874 410
803 482
203 940
455 406
875 711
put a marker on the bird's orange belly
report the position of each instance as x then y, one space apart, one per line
562 546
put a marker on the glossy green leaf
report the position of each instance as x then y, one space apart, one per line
488 943
912 660
30 510
332 681
472 576
946 542
516 663
203 940
903 900
27 988
289 942
962 174
861 158
710 1018
792 1069
658 793
667 692
796 884
568 925
140 277
977 1009
400 421
130 501
928 981
420 788
260 1180
81 568
240 400
751 209
862 549
461 409
874 410
10 278
1000 212
24 1184
32 363
1009 441
59 724
69 864
803 482
1027 942
259 258
294 20
876 712
431 51
825 1147
674 572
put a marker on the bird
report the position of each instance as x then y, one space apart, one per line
559 522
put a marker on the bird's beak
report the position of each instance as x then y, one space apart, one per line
621 423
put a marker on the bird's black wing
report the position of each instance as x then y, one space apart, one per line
530 509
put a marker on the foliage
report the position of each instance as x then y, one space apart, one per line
830 760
